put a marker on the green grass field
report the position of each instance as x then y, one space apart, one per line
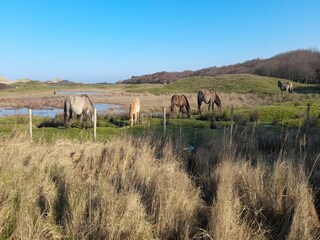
289 111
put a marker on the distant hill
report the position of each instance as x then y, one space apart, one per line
300 65
159 77
4 80
28 83
61 82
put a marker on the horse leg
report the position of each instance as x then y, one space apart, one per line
199 108
65 116
180 110
131 119
171 110
70 118
209 107
84 121
138 117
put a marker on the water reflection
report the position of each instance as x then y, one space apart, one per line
51 112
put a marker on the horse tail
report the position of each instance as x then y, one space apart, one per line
172 103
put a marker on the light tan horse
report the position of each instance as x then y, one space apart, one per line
285 87
208 97
79 105
134 111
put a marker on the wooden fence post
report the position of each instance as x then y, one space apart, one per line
164 121
95 124
308 119
30 123
231 127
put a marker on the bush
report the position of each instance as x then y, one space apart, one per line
51 122
254 116
240 119
213 124
276 120
222 116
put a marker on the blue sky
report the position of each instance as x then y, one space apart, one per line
98 41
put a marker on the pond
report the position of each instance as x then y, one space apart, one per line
51 112
77 92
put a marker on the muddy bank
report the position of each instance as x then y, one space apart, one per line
32 102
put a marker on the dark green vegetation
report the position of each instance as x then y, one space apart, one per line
300 66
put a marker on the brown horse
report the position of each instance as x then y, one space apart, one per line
285 87
134 111
208 97
180 101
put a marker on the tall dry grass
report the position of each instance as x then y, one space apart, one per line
89 190
151 188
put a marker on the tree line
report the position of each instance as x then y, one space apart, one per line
300 66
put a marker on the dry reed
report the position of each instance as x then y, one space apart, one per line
152 189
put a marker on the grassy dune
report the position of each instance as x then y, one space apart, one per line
237 83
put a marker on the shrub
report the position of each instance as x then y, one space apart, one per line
241 119
51 122
222 115
213 124
276 120
254 116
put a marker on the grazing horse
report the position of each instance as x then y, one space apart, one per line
134 111
208 97
180 101
285 87
79 105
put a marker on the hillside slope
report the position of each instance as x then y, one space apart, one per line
227 83
300 66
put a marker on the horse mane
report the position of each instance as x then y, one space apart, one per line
86 95
218 100
188 105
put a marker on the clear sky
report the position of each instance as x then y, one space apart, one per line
98 41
